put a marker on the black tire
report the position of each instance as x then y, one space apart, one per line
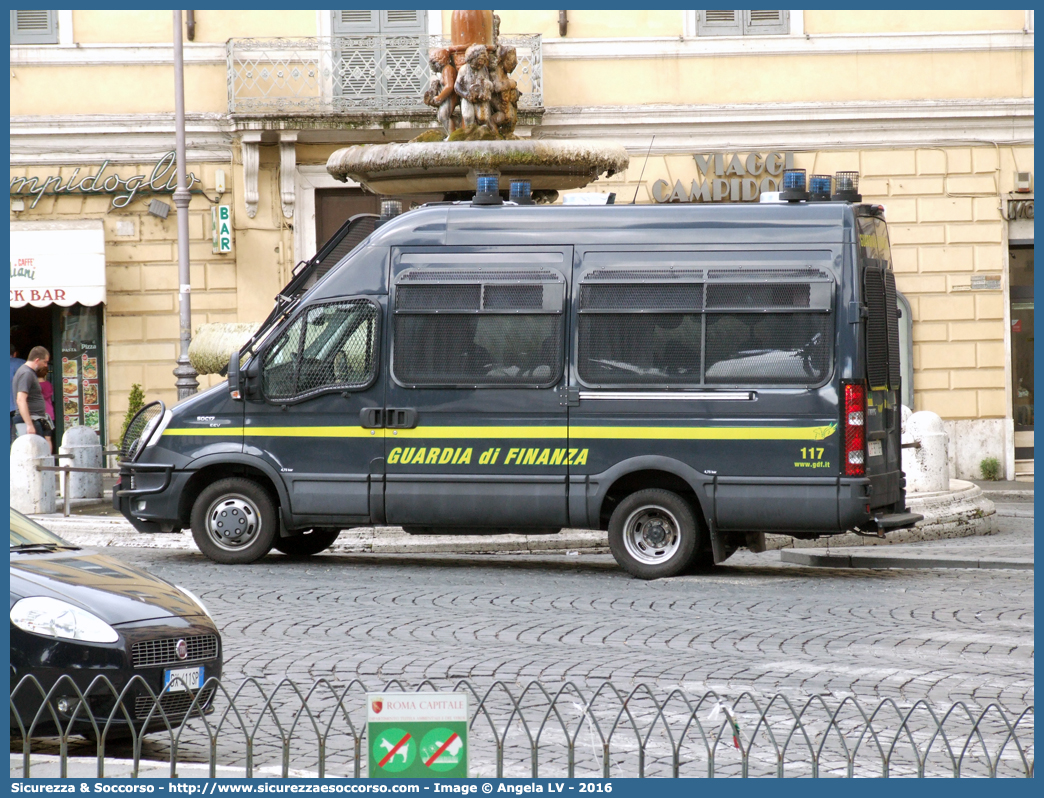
234 521
312 542
653 534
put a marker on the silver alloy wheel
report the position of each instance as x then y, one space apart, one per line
233 522
652 535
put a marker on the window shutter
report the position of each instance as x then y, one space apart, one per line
406 62
765 22
405 22
719 23
34 27
356 22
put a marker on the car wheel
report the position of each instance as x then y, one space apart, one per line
234 521
311 542
653 534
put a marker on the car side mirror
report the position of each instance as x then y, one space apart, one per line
235 387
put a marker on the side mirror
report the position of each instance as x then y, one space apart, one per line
235 388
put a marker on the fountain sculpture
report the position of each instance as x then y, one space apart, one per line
476 103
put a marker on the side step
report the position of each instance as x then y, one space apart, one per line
885 523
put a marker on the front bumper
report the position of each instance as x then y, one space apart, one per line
147 495
58 686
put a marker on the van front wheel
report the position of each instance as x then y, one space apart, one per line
234 521
653 534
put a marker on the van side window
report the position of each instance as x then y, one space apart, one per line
704 327
328 347
633 333
478 328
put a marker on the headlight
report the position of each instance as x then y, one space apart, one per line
56 618
193 596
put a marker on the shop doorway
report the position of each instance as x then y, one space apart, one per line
73 335
1020 283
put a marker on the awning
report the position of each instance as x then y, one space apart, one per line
57 263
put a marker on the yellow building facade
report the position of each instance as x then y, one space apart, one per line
933 109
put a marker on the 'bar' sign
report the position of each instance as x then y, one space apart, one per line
221 216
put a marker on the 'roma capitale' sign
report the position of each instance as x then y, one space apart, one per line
728 178
163 180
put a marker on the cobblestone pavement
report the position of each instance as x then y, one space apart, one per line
753 624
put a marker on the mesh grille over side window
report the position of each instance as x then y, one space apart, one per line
740 327
329 347
458 327
768 348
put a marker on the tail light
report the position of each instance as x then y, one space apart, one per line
853 423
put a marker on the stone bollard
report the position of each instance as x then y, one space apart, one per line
82 443
927 467
32 491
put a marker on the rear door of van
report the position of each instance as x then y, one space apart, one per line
884 402
476 427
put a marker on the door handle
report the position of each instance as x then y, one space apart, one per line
400 418
371 417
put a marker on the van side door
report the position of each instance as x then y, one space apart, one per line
319 375
478 432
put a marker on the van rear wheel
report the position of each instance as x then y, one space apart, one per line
653 534
312 542
234 521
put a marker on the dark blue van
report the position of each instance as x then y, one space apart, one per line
687 377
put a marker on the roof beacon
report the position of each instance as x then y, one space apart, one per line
846 187
793 186
819 188
487 185
521 192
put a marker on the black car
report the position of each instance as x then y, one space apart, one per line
81 614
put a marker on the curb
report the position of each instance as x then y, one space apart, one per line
817 560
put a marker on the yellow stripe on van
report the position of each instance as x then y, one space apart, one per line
704 433
578 432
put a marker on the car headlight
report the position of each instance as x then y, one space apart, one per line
195 598
53 617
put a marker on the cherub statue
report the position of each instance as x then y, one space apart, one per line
440 93
505 91
475 88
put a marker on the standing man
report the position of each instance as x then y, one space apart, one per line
16 363
29 397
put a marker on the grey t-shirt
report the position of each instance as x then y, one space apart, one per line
26 381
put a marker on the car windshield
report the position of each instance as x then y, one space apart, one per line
29 533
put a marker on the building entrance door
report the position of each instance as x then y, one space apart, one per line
1020 281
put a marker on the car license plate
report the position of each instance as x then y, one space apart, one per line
178 680
874 448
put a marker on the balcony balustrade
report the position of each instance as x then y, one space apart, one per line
376 75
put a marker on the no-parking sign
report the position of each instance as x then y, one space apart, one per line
418 735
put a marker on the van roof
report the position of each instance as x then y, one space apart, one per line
463 224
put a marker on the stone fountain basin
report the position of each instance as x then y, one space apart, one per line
416 167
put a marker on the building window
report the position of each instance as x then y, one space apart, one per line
34 27
379 54
742 23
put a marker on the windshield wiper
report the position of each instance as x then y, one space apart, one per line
44 547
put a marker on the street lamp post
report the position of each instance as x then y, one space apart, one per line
186 375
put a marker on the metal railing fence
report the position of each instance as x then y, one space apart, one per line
524 730
378 74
